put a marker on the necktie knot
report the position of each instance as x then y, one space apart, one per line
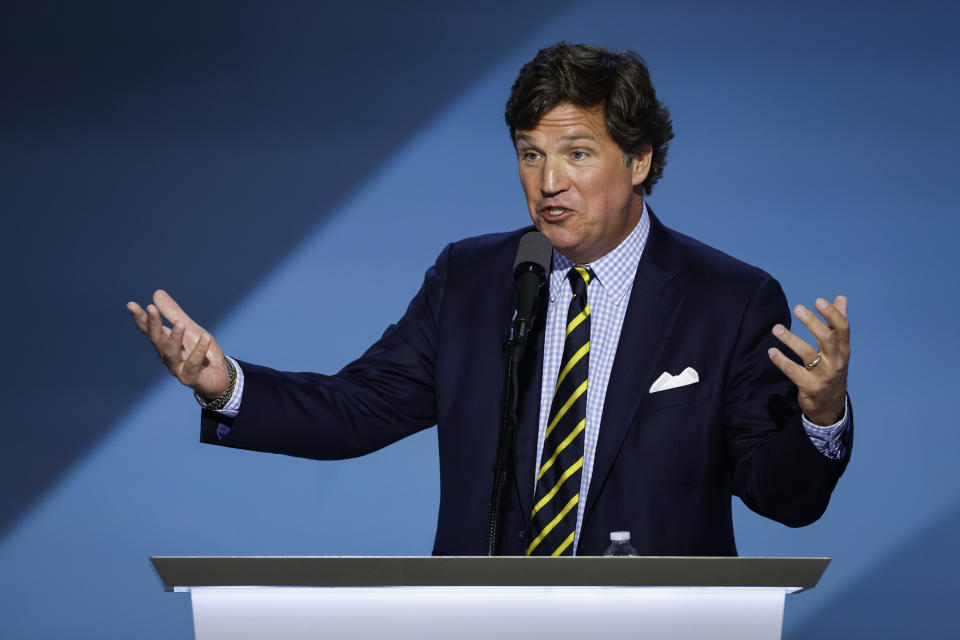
579 278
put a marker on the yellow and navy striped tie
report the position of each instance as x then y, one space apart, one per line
557 491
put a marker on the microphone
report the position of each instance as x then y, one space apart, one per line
530 270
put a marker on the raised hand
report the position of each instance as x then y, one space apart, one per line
822 383
190 354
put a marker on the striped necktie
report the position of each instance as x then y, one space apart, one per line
557 491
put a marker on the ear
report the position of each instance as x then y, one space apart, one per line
640 166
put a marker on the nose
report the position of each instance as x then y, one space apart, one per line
554 179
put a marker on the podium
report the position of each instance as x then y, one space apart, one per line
580 598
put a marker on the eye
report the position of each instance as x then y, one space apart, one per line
579 155
529 156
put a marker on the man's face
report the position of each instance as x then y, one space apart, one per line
580 193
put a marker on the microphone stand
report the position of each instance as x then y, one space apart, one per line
515 345
501 470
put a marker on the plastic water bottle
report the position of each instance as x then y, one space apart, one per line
620 544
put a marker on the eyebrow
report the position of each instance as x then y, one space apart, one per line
571 138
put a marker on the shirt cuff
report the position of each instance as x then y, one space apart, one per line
233 405
828 440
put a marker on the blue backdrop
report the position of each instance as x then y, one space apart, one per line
273 165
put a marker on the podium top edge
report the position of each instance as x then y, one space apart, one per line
449 571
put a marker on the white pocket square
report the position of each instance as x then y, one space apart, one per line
667 381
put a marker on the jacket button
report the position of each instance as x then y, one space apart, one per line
522 535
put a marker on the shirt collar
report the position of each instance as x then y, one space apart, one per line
614 271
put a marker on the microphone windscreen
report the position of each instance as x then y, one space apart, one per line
534 247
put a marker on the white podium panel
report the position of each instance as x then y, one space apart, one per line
577 613
680 598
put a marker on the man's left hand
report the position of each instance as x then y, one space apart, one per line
822 383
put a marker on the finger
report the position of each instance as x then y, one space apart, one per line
838 323
796 344
174 313
169 308
791 369
155 327
826 341
173 350
840 302
190 372
139 316
830 313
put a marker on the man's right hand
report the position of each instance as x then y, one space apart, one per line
190 354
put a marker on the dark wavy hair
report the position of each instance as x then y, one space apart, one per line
589 76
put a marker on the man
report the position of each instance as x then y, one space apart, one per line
651 390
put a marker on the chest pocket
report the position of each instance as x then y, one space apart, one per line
676 396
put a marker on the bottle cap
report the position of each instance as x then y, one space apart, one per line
620 536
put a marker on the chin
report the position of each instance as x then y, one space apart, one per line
560 241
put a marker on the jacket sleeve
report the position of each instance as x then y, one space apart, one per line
386 394
777 471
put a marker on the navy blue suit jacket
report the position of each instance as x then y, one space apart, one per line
667 463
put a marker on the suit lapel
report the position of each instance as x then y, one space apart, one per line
651 315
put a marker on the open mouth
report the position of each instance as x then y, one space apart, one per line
554 213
